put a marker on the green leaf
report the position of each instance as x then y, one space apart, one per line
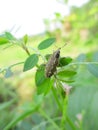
95 56
66 73
25 38
21 116
6 104
93 69
30 62
32 107
84 98
3 40
9 36
58 15
46 43
66 80
64 61
47 56
81 58
66 1
43 84
40 75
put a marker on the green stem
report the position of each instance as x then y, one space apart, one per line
44 123
64 110
64 113
70 123
26 49
38 52
82 63
10 66
49 119
20 117
56 98
16 64
79 63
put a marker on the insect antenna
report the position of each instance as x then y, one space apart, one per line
64 45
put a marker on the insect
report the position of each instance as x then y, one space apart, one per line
51 66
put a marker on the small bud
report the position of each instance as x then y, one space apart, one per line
79 117
79 120
66 88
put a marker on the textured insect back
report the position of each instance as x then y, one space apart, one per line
52 63
51 66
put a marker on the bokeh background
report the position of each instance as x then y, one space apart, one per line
72 21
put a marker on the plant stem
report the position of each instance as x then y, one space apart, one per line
16 64
64 113
10 66
26 49
78 63
49 119
56 98
82 63
70 123
44 123
63 108
20 117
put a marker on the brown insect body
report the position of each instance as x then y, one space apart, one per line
52 63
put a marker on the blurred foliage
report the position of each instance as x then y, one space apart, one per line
79 27
8 101
39 112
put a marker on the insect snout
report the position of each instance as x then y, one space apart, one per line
57 55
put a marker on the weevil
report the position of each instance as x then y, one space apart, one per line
52 63
51 66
